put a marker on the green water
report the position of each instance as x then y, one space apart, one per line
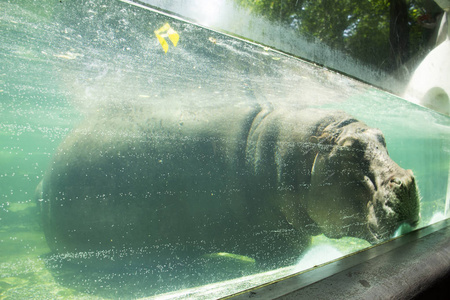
59 62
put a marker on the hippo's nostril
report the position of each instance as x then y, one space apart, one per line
396 181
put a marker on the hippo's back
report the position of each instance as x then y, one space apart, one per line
149 177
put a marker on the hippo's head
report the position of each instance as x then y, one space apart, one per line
356 188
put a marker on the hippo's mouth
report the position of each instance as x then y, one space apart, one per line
393 206
377 235
385 223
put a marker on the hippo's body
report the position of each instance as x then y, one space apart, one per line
245 179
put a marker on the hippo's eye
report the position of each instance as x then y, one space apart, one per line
396 181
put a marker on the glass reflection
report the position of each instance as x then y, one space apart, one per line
121 135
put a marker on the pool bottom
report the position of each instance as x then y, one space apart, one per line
29 269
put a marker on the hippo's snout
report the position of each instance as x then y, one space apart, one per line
395 202
403 187
405 181
407 196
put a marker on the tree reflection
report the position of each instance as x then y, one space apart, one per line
381 33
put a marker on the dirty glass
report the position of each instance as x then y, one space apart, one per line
399 45
142 155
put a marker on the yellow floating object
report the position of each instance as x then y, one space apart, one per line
173 36
163 43
164 28
167 31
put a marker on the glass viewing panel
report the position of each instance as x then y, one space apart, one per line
142 154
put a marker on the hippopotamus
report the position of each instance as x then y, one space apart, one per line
253 180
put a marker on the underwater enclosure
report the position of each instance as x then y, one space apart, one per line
106 106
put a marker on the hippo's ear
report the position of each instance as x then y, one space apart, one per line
324 138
